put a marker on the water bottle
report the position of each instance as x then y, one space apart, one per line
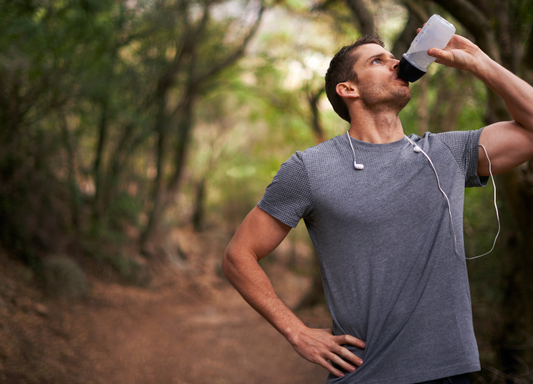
436 33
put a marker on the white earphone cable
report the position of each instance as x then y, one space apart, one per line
440 189
495 207
418 149
355 165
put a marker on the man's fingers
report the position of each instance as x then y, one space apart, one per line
345 354
337 360
321 347
442 56
329 367
438 53
348 339
333 362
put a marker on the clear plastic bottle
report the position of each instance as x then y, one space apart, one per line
436 33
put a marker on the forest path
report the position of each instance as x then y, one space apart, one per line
188 326
129 336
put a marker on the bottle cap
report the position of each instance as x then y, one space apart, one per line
409 72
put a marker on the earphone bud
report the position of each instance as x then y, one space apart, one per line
417 149
355 165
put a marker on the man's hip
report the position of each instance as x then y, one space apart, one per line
459 379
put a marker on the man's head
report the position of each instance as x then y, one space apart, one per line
342 70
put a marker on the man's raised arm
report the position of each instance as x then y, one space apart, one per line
258 235
509 143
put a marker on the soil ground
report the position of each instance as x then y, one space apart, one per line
188 327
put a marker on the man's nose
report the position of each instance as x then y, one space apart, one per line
395 64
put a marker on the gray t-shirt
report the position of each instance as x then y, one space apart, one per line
385 244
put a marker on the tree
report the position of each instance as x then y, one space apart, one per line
201 53
119 78
38 81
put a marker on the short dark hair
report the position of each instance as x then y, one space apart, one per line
341 69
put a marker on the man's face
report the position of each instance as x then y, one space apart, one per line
377 78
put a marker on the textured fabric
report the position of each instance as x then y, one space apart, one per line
459 379
386 249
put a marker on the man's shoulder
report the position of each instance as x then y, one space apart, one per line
441 135
315 158
325 148
448 137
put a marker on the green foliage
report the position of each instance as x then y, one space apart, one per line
36 73
79 107
124 208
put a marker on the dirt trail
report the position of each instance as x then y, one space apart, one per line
217 340
189 327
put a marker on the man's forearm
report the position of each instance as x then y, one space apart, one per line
253 284
316 345
516 93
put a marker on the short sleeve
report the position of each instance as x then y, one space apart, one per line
464 146
288 197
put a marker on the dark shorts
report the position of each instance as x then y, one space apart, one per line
459 379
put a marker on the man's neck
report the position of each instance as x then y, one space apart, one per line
376 128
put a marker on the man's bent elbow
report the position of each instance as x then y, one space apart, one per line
227 264
230 263
237 264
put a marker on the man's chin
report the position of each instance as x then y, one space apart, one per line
402 98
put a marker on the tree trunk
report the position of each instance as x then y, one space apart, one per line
363 16
316 126
97 165
199 205
157 196
71 167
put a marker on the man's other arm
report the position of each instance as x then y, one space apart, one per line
508 143
258 235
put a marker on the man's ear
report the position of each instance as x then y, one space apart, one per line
347 89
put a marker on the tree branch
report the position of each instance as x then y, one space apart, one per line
185 47
322 6
363 17
233 56
316 126
417 9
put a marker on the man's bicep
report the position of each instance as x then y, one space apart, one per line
508 145
259 234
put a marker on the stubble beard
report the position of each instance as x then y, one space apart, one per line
381 99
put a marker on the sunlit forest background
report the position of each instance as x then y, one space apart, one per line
121 121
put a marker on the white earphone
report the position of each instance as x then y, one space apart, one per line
355 164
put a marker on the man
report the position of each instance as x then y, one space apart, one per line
385 215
